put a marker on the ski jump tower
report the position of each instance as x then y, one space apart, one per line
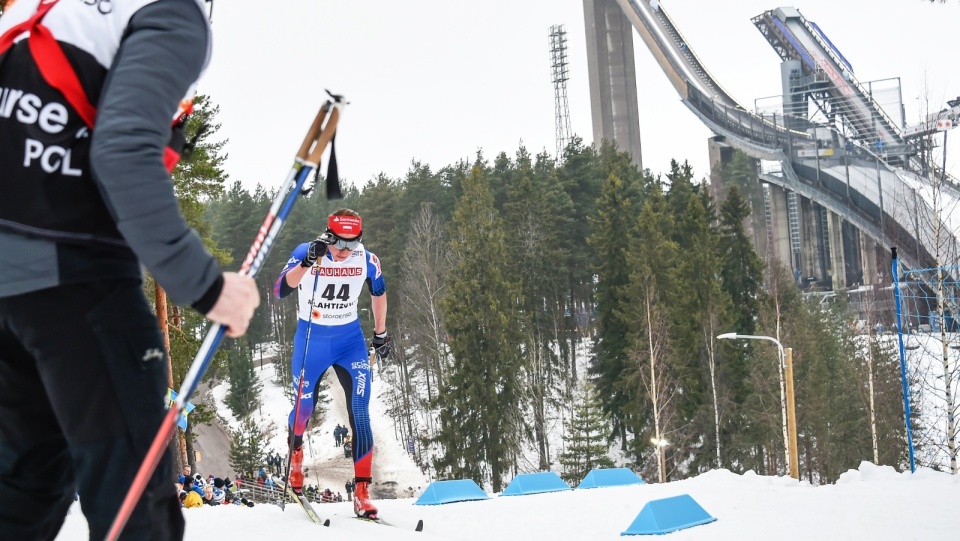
613 77
835 189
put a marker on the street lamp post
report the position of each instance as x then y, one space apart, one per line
790 415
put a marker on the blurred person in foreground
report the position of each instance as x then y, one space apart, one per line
95 98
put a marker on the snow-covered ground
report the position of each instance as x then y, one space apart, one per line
872 503
875 503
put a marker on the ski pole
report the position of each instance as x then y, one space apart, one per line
308 158
296 405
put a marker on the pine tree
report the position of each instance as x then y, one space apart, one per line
741 275
703 312
711 306
420 186
247 449
384 233
615 211
235 218
244 394
739 173
826 362
585 438
693 277
197 179
765 403
833 424
537 211
689 229
581 179
652 379
741 270
480 420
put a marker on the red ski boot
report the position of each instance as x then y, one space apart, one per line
362 505
296 470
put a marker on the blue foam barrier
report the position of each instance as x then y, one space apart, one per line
456 490
668 515
534 483
610 477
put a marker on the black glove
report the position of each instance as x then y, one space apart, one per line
381 343
316 248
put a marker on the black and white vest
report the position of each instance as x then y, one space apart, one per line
46 187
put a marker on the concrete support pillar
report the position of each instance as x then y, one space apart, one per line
809 240
780 218
868 251
837 261
613 77
720 153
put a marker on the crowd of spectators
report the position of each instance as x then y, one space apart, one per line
314 494
195 491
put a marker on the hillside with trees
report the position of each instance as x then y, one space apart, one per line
513 280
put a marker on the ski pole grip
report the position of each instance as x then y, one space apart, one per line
314 132
325 136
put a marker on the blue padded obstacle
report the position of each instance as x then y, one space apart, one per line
668 515
457 490
533 483
610 477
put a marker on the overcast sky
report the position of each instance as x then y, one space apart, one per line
436 80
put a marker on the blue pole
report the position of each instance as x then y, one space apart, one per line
903 359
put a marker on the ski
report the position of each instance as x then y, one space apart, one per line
304 504
377 520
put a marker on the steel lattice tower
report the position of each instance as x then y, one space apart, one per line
558 70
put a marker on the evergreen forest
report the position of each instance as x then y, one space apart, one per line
527 291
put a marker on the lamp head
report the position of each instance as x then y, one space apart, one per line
727 335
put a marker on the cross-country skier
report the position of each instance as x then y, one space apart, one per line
329 274
90 92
